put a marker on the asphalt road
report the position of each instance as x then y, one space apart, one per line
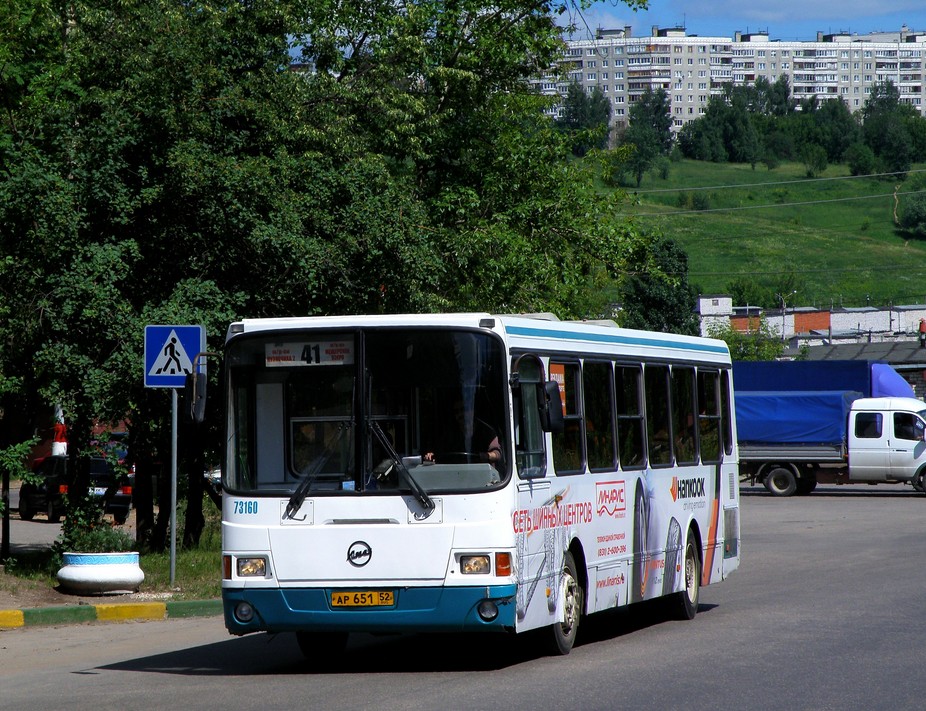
29 535
826 612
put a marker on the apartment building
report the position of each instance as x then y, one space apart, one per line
691 69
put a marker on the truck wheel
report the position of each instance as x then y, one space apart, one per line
781 481
806 484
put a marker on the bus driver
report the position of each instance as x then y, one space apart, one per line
470 436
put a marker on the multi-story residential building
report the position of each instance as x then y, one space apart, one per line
691 68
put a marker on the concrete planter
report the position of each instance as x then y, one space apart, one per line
100 573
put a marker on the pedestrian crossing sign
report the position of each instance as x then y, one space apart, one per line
170 352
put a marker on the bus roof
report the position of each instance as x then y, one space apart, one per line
542 332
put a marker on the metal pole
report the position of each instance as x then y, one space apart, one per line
173 487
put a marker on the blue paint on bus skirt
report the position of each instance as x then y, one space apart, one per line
427 609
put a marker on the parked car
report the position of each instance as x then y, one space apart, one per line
48 495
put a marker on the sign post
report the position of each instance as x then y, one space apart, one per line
170 352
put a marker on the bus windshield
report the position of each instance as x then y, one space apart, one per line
375 411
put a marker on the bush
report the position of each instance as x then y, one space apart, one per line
814 159
913 217
860 159
701 200
101 538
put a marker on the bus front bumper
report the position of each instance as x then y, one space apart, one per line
425 609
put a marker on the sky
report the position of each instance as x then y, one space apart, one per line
782 19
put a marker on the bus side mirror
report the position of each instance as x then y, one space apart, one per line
195 390
551 407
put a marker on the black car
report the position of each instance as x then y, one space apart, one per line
48 495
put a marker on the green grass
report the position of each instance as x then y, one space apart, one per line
844 248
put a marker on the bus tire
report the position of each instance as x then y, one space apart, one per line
686 600
780 481
321 646
640 526
564 633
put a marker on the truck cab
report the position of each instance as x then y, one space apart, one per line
886 440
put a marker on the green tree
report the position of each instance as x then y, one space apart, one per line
643 148
653 112
913 216
760 342
662 299
814 159
838 128
586 118
648 132
165 163
884 127
860 159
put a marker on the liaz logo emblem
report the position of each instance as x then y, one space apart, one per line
359 554
687 488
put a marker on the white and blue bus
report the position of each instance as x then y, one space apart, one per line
470 472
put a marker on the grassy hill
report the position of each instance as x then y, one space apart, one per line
842 247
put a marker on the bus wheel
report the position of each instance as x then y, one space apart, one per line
687 600
780 481
564 633
321 646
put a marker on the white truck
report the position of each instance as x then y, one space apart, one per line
792 439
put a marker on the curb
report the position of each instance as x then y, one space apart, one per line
109 612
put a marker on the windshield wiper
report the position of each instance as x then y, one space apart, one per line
426 501
311 471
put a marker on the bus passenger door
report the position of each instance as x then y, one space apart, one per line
538 553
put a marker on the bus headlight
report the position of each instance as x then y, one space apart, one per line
252 567
475 565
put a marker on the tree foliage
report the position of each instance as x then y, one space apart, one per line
913 217
661 300
586 118
750 123
760 342
168 162
649 133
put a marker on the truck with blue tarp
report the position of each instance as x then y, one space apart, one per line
800 423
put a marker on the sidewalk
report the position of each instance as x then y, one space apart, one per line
108 612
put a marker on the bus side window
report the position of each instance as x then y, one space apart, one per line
683 415
709 419
726 412
530 454
599 417
630 426
658 426
569 445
